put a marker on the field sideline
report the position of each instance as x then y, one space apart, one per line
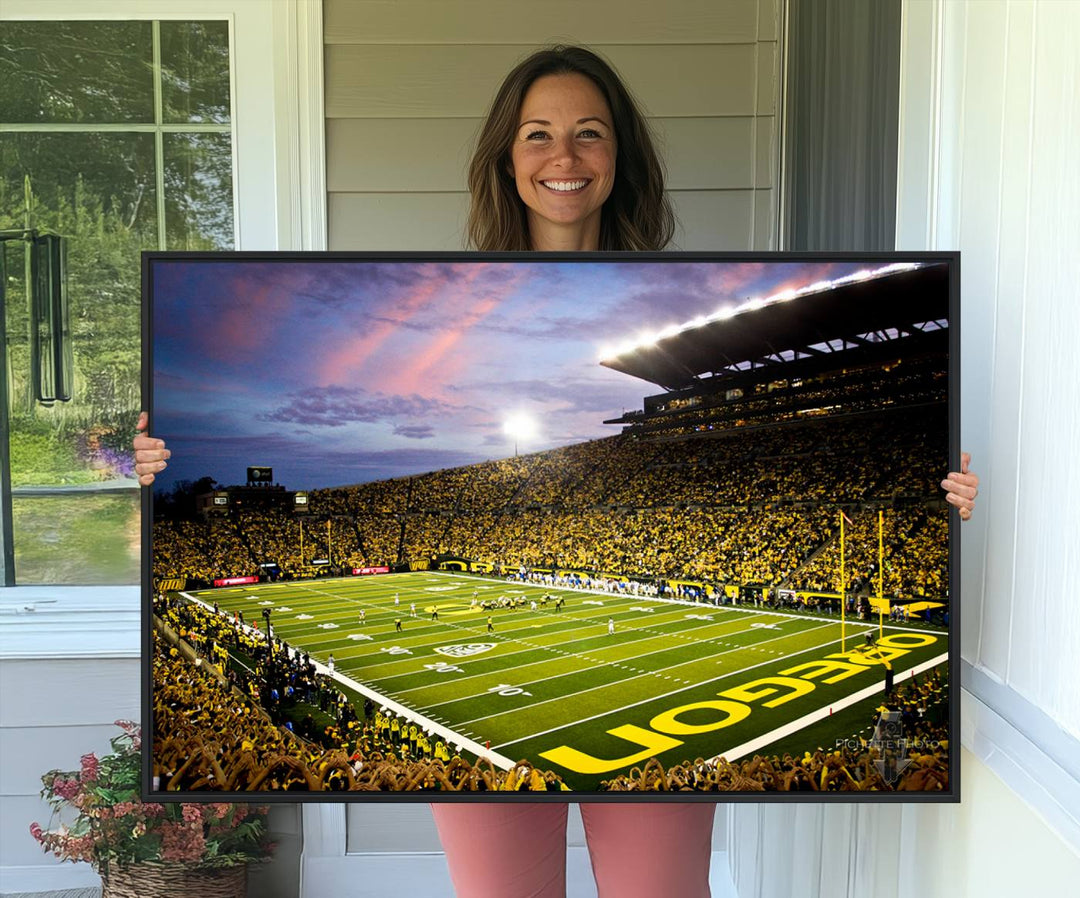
675 680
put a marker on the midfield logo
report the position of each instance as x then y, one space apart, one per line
464 650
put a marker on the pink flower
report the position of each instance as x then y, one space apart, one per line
36 831
123 808
65 788
181 842
89 767
192 813
132 729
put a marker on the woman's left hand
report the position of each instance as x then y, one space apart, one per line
962 487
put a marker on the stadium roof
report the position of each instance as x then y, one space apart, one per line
873 307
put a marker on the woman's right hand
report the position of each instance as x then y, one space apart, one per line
150 453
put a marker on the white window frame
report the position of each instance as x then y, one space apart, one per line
276 50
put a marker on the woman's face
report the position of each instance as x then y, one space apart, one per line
563 157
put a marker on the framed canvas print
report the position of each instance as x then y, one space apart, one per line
629 527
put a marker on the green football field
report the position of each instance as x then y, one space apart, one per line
676 681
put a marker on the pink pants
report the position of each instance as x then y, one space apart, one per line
519 850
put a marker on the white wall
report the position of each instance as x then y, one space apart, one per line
989 142
993 843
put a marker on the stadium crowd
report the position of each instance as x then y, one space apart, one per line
747 507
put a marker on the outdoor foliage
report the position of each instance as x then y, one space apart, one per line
99 189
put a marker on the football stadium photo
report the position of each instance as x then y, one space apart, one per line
459 524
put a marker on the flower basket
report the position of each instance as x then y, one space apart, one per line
149 850
173 881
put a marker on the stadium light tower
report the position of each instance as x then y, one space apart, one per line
520 426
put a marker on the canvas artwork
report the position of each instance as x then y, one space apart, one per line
453 526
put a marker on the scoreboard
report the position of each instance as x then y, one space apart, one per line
260 474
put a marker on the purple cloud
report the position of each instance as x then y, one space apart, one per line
336 406
415 431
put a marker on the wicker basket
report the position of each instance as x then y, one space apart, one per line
153 880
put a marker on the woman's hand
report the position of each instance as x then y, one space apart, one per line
150 453
962 488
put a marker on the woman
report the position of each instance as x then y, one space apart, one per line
565 162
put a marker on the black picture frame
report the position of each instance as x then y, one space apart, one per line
159 302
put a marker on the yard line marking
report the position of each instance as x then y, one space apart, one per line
635 659
532 707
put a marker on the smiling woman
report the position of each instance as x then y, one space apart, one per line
563 117
563 160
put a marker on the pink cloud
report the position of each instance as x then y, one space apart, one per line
247 322
436 363
345 363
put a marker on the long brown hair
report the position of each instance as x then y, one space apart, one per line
637 214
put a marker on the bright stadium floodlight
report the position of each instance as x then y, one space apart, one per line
723 314
520 427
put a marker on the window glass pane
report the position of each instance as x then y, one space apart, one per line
79 539
82 184
75 498
97 190
195 72
198 192
55 72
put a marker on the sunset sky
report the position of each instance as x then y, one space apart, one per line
344 371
